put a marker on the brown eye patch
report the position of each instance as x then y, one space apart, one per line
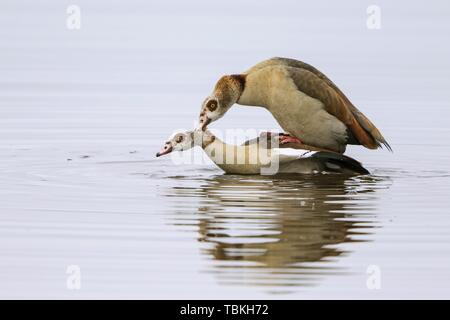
211 105
179 138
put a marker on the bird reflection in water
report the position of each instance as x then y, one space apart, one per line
279 231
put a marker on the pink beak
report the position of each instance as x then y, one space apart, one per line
165 150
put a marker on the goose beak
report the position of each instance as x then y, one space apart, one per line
165 150
204 121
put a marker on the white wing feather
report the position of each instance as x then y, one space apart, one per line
285 155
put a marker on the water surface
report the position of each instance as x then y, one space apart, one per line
82 114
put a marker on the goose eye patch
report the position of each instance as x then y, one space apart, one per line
211 105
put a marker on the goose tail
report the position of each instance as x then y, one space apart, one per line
336 162
378 140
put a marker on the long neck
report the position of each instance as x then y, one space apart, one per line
240 159
258 86
229 88
210 143
215 149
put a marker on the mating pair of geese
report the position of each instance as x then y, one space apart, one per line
316 116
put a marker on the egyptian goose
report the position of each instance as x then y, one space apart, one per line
261 155
306 104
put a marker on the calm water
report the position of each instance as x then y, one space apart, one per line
82 114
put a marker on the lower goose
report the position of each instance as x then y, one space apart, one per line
262 155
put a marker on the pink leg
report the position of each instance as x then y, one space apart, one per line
287 139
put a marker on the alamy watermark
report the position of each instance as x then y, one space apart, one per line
373 21
373 281
73 19
73 281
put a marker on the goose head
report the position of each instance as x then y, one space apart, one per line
178 142
226 93
182 141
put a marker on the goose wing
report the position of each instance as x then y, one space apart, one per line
286 155
336 104
314 83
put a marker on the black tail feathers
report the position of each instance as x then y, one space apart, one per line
336 162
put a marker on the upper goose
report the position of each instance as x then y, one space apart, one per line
260 156
306 104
